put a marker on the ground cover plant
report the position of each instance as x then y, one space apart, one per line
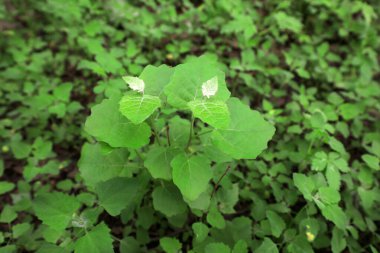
189 126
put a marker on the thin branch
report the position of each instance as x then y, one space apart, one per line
167 134
191 131
139 155
220 179
155 133
205 132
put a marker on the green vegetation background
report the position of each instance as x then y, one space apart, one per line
311 67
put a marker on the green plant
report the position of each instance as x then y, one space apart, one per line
309 66
198 129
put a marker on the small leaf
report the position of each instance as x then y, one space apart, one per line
318 120
333 177
319 161
350 111
200 231
191 174
335 214
267 246
276 222
300 245
286 22
216 219
168 200
135 83
55 209
116 194
138 107
371 161
240 247
338 241
329 195
8 214
170 245
210 87
217 247
304 184
214 113
20 229
6 187
98 240
108 62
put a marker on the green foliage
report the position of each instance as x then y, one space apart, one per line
107 124
97 240
170 245
189 126
191 174
245 126
137 107
116 194
214 113
55 209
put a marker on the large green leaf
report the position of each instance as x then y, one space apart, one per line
187 79
247 135
158 162
96 165
55 209
168 200
210 111
191 174
156 78
107 124
117 193
98 240
138 107
177 131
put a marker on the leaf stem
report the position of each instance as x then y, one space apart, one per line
191 131
139 155
310 146
155 132
205 132
220 179
168 134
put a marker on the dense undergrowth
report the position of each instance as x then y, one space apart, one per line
309 67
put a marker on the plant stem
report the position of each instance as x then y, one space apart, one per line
205 132
310 146
220 179
168 135
139 155
191 131
155 132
